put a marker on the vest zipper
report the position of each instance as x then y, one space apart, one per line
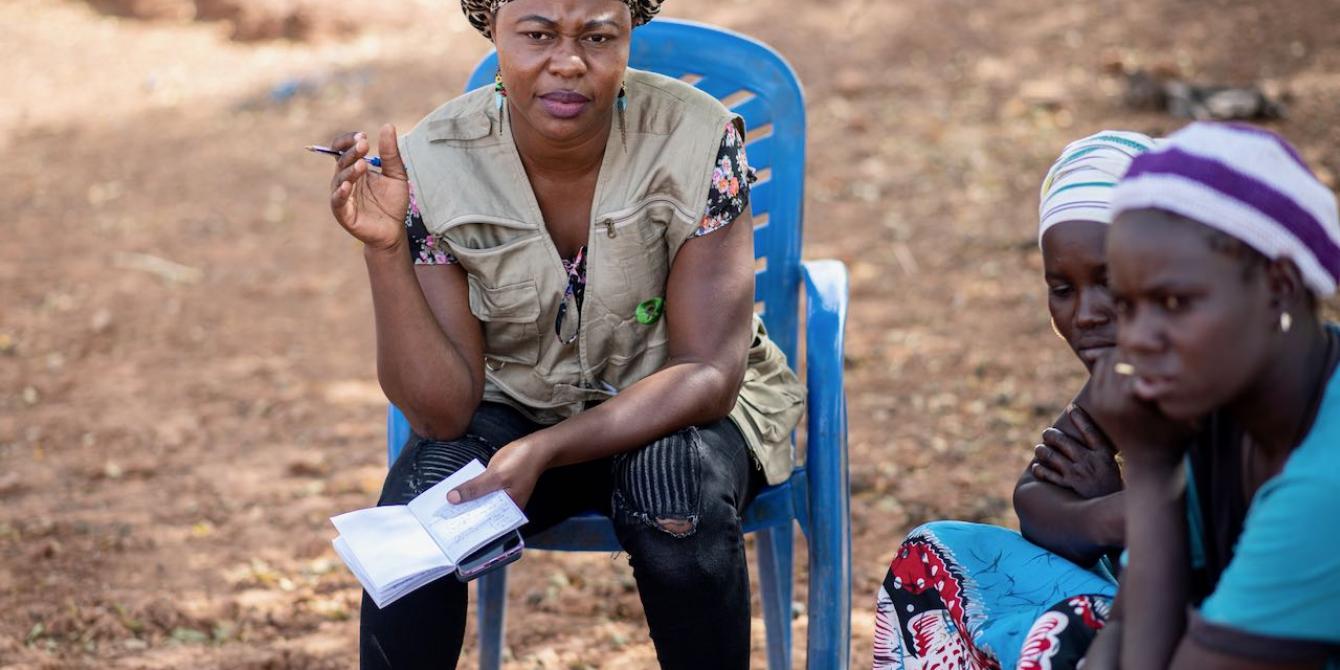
609 228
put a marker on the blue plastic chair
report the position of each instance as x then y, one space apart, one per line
755 82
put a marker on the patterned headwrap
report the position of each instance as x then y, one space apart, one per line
1248 183
478 12
1079 184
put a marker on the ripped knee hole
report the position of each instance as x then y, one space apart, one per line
676 526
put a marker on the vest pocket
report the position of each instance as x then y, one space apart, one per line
631 265
510 316
774 406
772 395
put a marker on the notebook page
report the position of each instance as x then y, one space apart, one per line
390 545
461 529
393 592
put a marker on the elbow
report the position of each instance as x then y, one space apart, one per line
1041 530
719 405
438 427
727 391
1023 511
435 420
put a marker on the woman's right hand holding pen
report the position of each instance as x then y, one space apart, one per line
371 206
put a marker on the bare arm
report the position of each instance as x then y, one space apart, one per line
430 347
430 358
1155 581
1059 520
1105 651
1192 656
1155 584
709 299
1069 499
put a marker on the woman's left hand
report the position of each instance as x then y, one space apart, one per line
1087 466
514 469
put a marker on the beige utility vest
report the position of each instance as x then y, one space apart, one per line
473 193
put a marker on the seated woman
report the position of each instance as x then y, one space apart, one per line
977 596
562 276
1224 399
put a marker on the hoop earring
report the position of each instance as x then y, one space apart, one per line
499 99
1286 322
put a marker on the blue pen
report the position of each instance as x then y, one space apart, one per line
375 160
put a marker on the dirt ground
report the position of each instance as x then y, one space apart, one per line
187 392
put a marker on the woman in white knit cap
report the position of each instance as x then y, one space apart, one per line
975 596
1224 400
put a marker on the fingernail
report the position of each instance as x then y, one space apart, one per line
454 497
1037 449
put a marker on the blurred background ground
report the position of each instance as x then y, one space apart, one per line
187 387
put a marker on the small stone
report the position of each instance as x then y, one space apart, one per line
51 549
314 466
112 471
134 644
8 345
101 321
850 82
30 395
559 581
10 484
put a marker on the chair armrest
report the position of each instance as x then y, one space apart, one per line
829 500
825 345
826 427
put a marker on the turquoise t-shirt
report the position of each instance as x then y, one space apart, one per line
1280 595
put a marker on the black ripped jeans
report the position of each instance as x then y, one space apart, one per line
676 507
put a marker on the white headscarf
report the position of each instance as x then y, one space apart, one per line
1079 184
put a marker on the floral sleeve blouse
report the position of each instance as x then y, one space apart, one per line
727 199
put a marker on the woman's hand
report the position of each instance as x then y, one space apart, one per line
1136 427
1087 466
514 469
371 206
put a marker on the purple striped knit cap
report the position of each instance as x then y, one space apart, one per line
1248 183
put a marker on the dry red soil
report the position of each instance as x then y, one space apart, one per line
187 388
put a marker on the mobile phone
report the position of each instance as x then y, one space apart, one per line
491 556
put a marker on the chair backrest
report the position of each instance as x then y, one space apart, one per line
757 83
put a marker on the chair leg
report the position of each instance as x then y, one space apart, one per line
829 639
775 579
492 596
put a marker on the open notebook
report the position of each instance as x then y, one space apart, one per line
394 550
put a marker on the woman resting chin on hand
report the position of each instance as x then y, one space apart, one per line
1224 399
976 596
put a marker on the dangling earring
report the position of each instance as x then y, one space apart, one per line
621 103
499 98
1286 322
